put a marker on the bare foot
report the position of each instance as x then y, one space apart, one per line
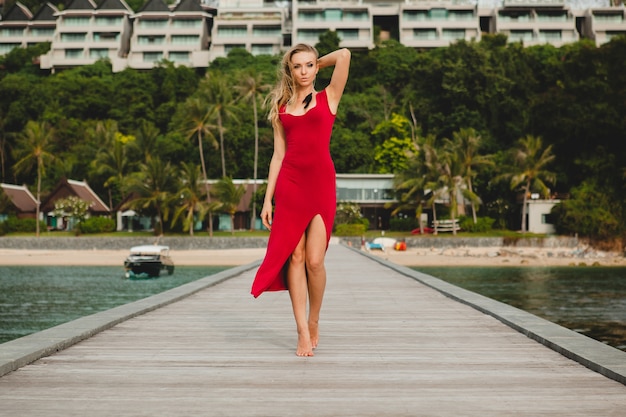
314 332
304 345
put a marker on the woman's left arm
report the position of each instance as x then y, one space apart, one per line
340 59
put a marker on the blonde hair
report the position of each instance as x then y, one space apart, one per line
285 89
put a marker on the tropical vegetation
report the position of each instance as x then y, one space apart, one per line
478 125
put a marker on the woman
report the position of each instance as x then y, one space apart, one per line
301 182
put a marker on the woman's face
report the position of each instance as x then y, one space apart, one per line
304 68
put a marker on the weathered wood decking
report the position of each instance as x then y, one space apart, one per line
390 346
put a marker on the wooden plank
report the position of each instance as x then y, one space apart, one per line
390 346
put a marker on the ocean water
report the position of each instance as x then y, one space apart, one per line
35 298
588 300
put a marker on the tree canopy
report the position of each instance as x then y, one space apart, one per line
572 97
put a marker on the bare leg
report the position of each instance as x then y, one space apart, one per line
297 283
315 252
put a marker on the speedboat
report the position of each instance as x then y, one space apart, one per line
148 261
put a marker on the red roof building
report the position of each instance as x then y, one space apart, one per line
24 204
80 189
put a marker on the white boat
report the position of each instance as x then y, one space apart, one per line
147 261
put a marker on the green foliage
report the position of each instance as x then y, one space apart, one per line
350 229
588 213
13 224
21 59
483 224
573 97
395 145
96 225
403 224
350 214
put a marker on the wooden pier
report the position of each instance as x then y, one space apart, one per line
393 343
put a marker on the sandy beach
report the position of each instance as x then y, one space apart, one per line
518 256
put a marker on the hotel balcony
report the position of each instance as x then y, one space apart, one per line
603 24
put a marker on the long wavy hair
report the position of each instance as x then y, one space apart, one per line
284 91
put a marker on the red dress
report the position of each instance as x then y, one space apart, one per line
305 187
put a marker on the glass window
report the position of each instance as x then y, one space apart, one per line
266 31
550 35
521 35
108 20
98 53
262 50
310 34
179 56
311 16
228 48
608 18
453 34
42 31
8 32
105 36
7 47
332 15
73 53
152 56
415 15
187 23
77 21
73 37
520 16
150 40
460 15
425 34
546 16
348 194
232 31
152 23
437 14
185 39
355 15
348 34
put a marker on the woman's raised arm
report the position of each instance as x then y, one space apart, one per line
340 59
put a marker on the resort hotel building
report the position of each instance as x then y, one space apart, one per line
195 32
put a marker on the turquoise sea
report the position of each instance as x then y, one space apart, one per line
588 300
34 298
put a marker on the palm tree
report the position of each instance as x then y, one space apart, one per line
409 185
229 196
447 180
112 157
222 107
153 185
251 89
190 197
146 138
35 148
468 143
528 172
197 124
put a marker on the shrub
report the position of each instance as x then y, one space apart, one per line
589 213
350 213
96 225
403 224
350 229
483 224
13 224
4 228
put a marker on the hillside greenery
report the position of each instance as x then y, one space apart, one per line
535 119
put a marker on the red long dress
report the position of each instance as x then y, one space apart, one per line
305 187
